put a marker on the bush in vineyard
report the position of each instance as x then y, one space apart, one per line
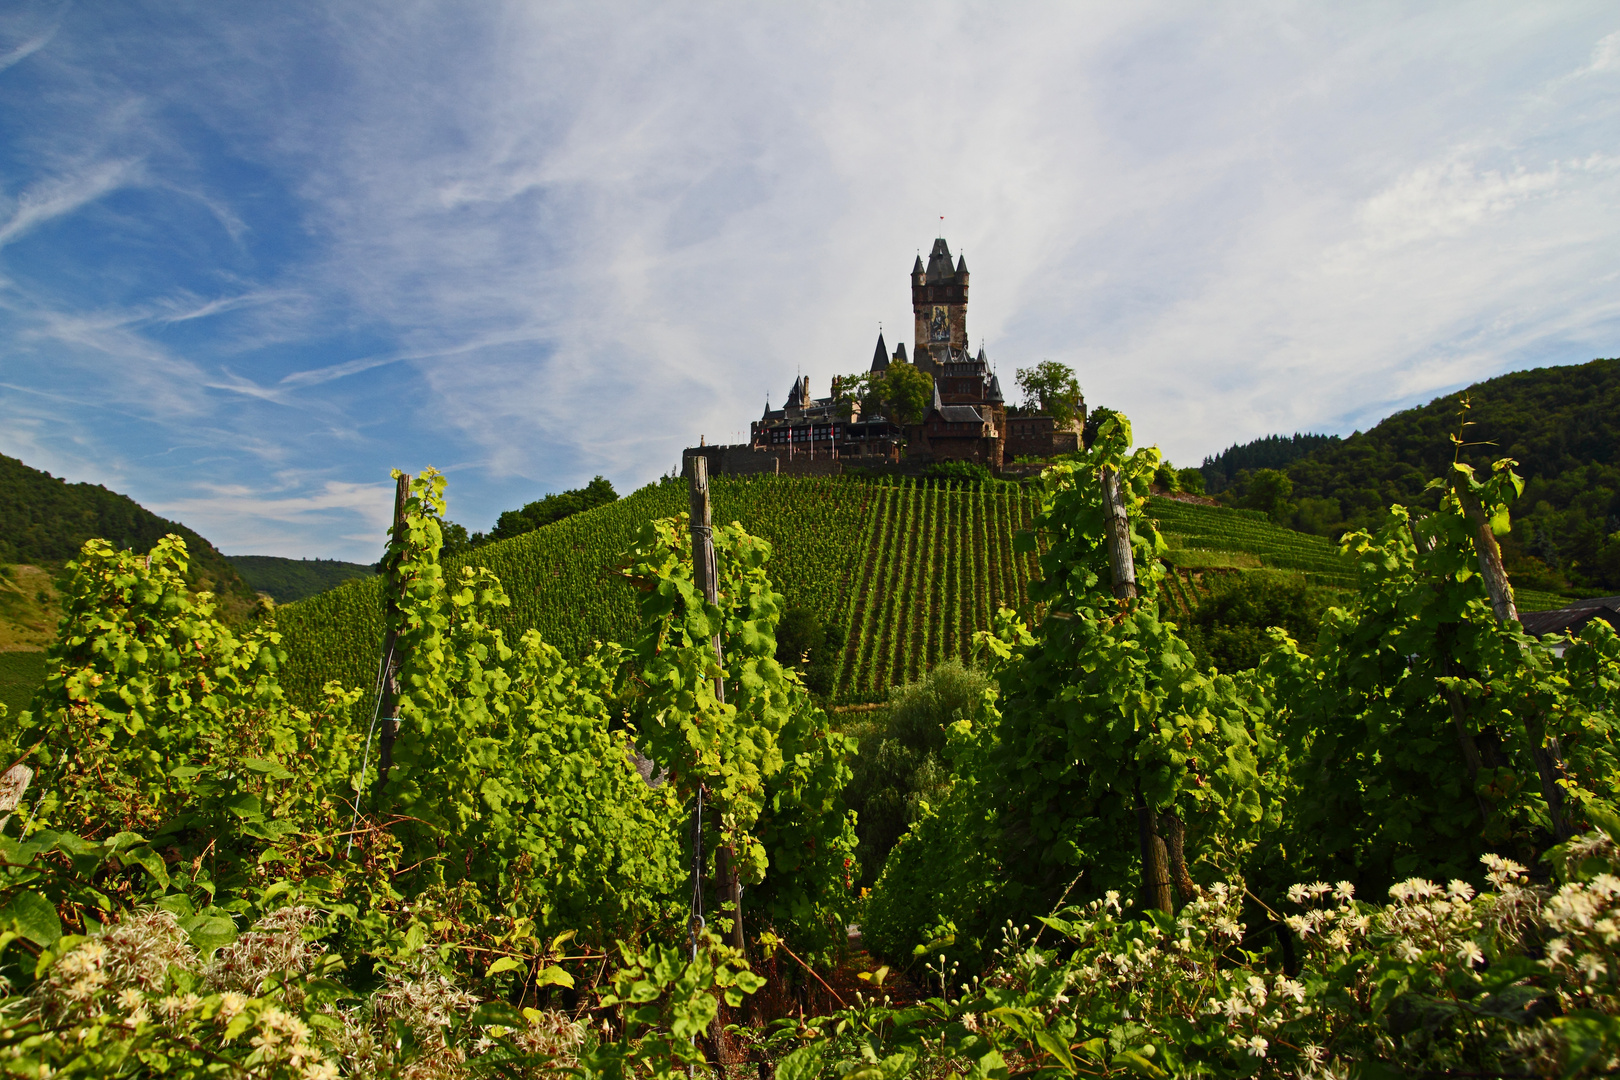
1107 742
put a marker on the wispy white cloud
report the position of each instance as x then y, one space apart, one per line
60 196
551 241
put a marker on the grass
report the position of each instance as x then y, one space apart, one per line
21 674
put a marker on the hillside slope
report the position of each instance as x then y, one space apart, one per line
1561 424
47 520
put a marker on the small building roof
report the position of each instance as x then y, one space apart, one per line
995 385
1572 618
960 414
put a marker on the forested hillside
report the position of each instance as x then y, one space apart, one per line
1561 425
47 520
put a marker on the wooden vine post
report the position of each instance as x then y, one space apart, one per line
1544 750
706 577
1155 856
388 704
1118 528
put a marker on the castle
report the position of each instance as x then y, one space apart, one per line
967 420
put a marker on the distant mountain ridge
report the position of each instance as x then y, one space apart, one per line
47 520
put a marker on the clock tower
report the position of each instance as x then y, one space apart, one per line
939 295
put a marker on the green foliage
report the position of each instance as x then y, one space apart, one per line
905 393
771 767
901 769
1166 477
965 472
48 520
1051 388
504 771
1269 492
1189 480
287 580
1230 627
541 512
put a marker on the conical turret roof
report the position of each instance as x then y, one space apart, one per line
880 358
995 386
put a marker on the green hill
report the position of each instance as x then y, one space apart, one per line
47 520
287 580
1560 423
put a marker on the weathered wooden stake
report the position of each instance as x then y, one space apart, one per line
388 707
1490 558
706 576
1155 858
1118 529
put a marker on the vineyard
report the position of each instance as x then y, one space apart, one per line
911 571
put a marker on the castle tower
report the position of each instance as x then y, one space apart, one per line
939 296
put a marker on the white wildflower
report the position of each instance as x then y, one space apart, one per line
1257 1047
1344 890
1287 987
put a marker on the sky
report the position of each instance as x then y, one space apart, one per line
254 256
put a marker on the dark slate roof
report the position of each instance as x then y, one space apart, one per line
918 268
961 265
880 358
795 396
995 386
1573 617
900 352
960 414
939 263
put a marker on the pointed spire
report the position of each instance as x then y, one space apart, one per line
917 267
880 358
961 265
937 405
982 358
939 263
995 388
900 353
795 399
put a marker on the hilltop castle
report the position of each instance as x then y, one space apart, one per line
968 419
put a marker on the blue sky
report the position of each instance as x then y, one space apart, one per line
252 256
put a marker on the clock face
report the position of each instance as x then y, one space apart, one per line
939 328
